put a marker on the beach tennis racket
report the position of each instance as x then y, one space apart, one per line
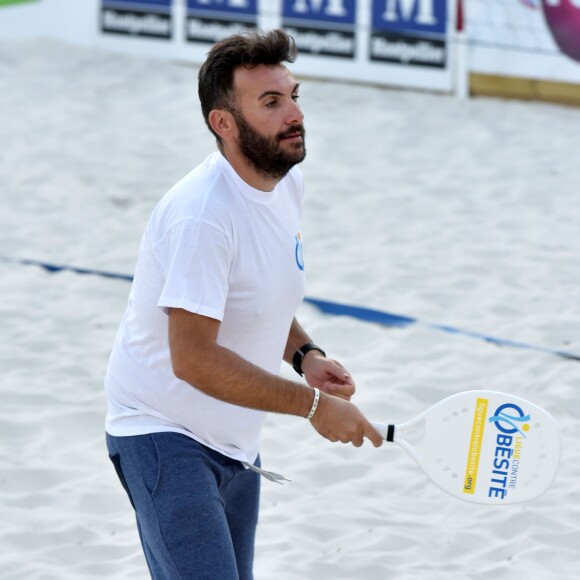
483 446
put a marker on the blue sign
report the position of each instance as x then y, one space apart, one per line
227 8
324 27
211 20
320 11
409 32
147 18
414 17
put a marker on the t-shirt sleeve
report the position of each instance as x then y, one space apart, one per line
197 261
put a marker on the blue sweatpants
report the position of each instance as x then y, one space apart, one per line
196 509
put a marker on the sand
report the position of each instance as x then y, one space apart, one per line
457 212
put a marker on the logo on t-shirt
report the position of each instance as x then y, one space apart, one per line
299 253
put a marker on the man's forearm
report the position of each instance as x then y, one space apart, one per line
297 337
222 374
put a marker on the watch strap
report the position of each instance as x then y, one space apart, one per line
301 353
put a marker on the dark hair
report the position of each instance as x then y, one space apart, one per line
249 49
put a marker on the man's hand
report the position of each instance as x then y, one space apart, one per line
340 420
328 375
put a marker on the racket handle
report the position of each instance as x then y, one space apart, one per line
387 431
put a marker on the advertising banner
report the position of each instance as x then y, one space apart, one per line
208 21
409 32
404 43
401 43
147 18
326 29
396 42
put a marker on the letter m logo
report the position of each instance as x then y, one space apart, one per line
411 16
342 11
226 6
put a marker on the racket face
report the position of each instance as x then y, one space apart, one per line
490 448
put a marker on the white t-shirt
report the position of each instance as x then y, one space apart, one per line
217 247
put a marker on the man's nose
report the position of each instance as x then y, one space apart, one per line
295 114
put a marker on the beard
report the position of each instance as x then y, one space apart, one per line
266 154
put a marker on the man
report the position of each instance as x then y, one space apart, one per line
210 317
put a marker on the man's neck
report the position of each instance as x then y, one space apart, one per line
248 173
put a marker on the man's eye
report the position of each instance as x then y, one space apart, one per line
295 97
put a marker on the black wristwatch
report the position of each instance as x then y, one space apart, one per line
301 353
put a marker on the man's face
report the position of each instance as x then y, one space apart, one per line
269 119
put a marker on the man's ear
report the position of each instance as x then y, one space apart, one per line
222 122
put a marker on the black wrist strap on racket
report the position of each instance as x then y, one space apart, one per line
301 353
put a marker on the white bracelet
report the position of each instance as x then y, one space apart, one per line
314 403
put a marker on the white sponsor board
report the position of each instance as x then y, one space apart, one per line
406 43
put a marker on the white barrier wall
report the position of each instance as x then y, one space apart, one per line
69 20
394 42
405 43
